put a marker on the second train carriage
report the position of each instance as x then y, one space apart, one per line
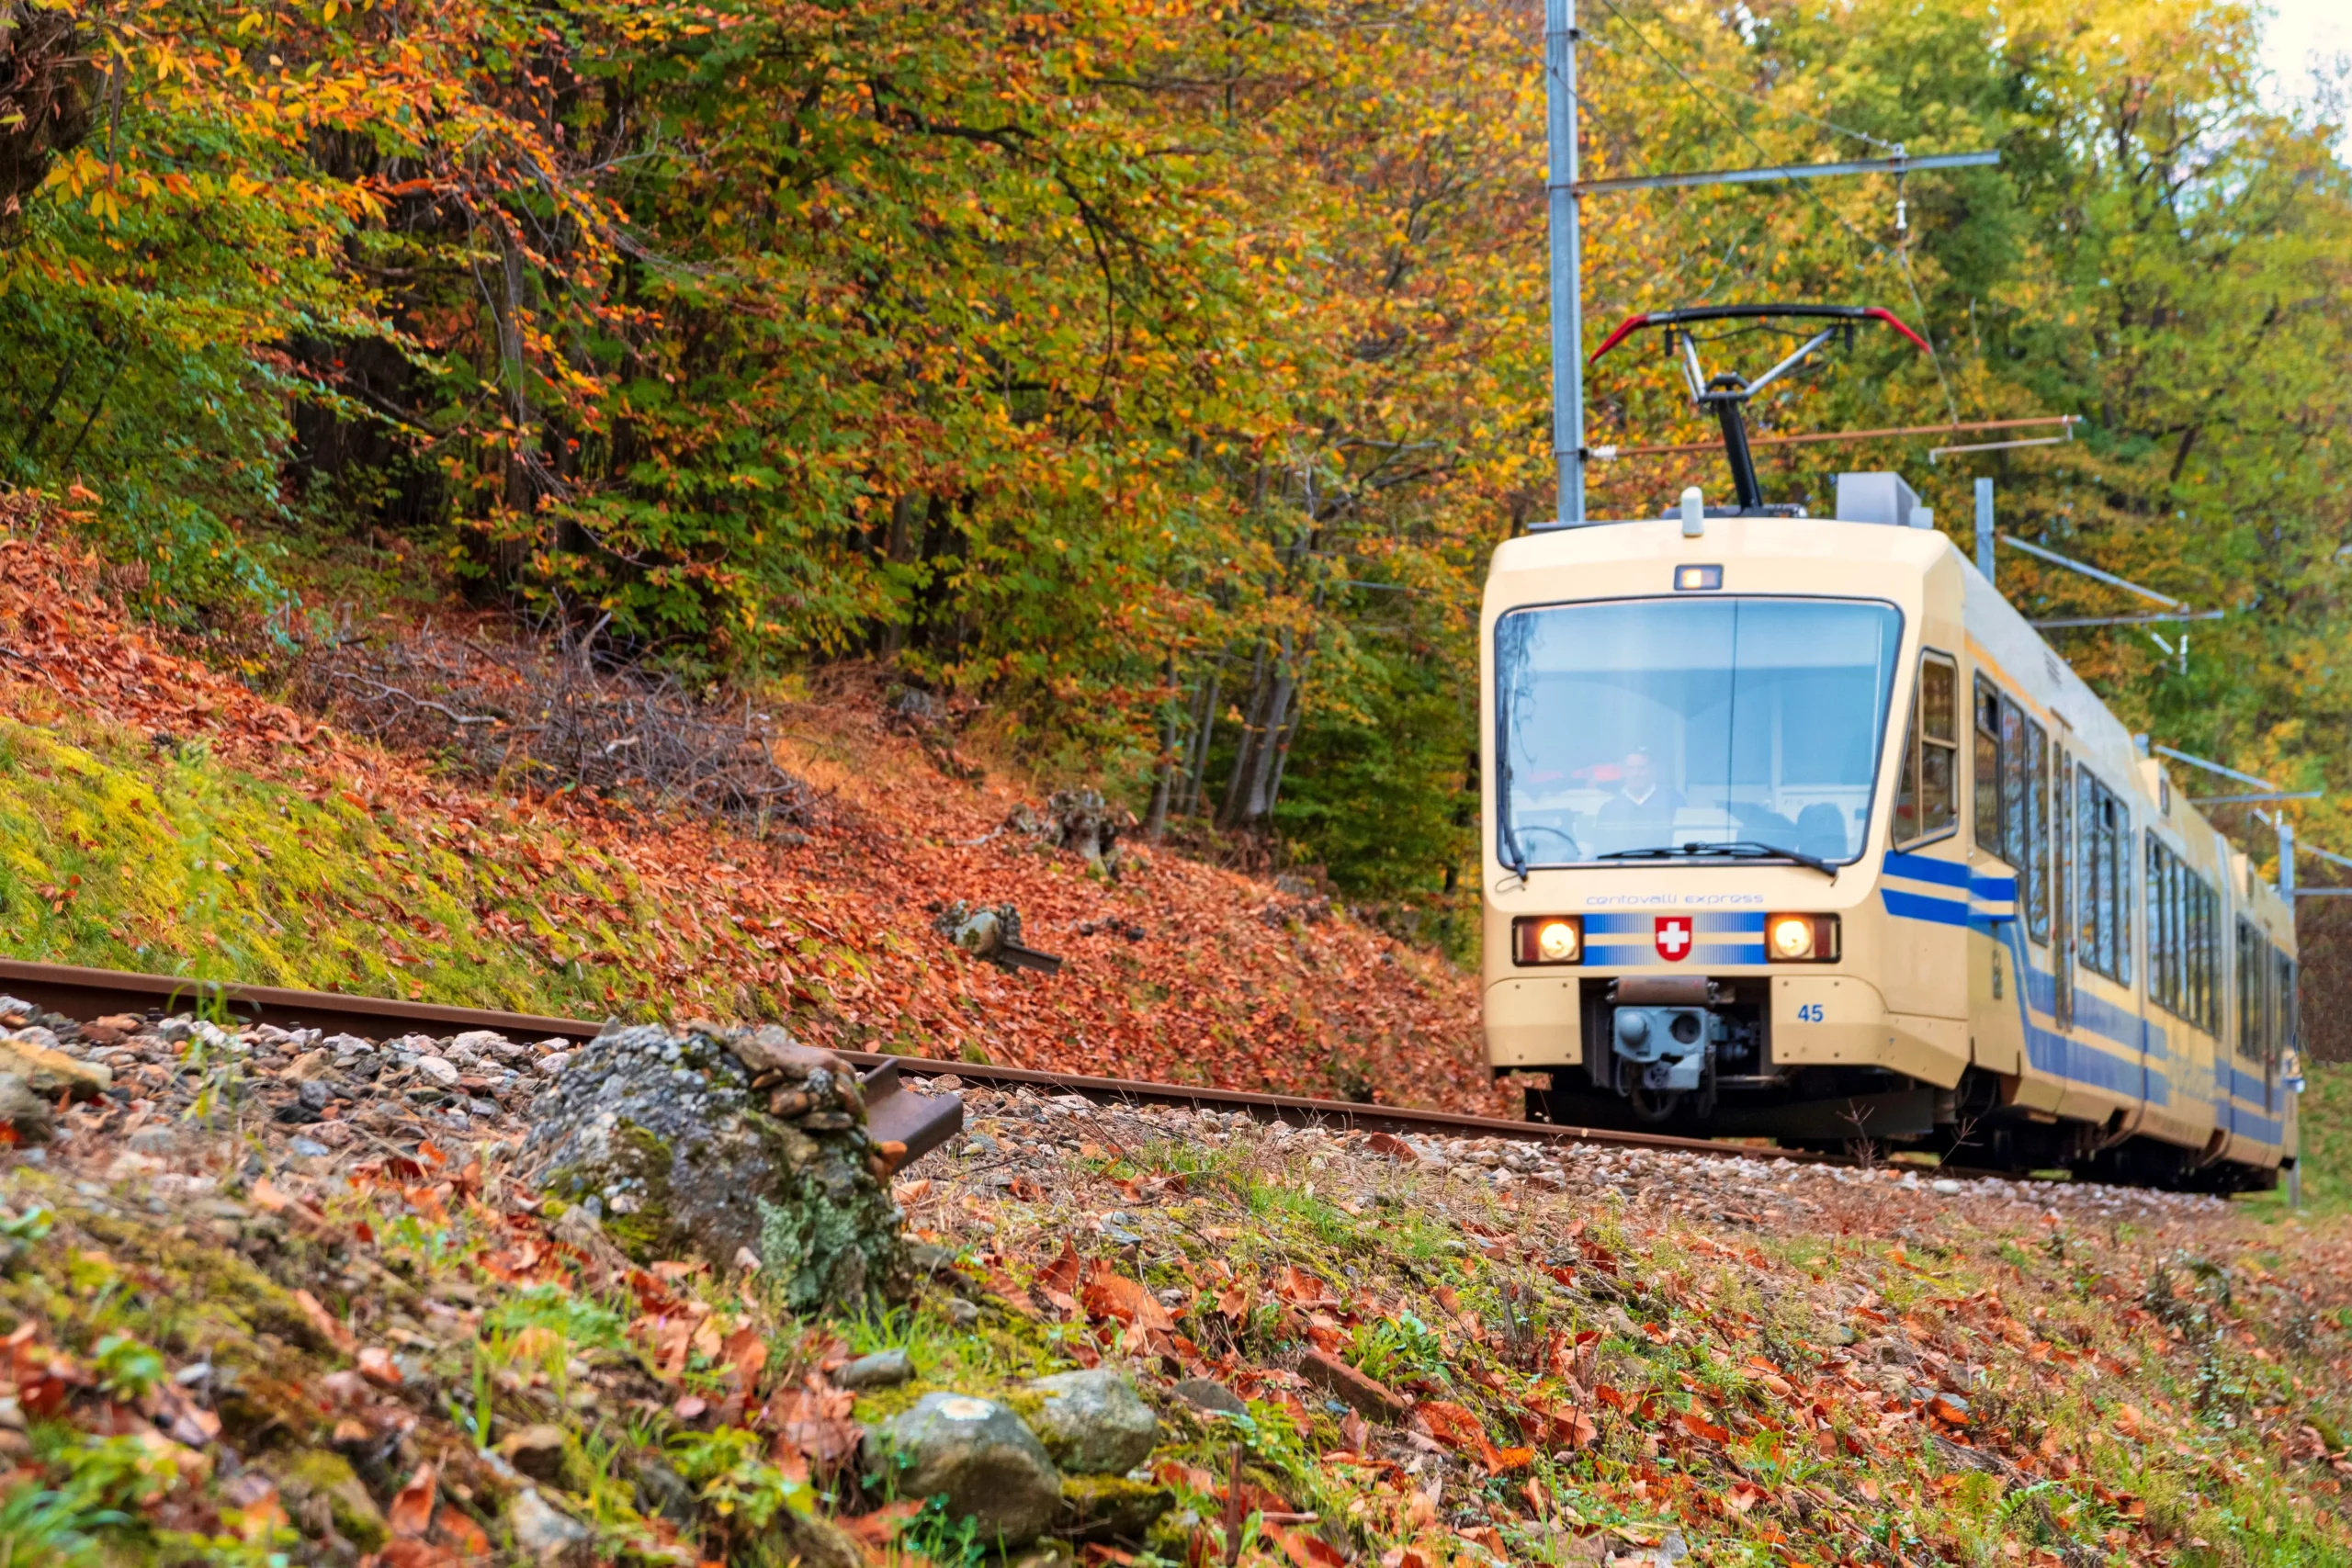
1796 828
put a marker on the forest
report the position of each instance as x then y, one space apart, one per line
1154 380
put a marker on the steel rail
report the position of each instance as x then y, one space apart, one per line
93 993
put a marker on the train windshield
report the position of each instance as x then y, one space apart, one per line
1647 724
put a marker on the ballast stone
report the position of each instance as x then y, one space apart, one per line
978 1455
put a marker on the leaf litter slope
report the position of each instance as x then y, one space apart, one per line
1451 1353
166 817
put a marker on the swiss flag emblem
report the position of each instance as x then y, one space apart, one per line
1673 937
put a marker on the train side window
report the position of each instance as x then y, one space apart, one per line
2127 887
1939 743
2247 1041
2105 875
2171 932
1927 798
2208 956
2036 848
2013 785
1989 768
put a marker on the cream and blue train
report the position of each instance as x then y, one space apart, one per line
1795 828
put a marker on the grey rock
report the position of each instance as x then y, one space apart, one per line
980 1455
1207 1393
884 1369
666 1134
660 1490
306 1148
24 1113
440 1069
309 1065
1095 1423
544 1533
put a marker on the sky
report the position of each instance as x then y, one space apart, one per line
2298 29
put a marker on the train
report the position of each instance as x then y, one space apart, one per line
1794 829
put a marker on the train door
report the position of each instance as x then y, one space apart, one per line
2228 1022
2064 929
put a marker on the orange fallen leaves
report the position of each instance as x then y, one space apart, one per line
329 1327
761 918
1461 1430
376 1364
1109 1293
411 1510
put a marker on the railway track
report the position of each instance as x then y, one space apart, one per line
922 1122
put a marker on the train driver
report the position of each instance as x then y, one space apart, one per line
1640 816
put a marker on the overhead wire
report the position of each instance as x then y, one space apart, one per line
1903 261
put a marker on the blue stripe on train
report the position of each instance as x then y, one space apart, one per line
1920 907
1988 902
1621 937
2080 1061
1926 868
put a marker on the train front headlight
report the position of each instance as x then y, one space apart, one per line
1547 938
1801 939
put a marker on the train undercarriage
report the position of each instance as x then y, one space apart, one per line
1692 1057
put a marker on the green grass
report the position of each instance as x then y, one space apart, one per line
2327 1157
122 854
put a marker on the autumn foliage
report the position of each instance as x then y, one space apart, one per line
1159 375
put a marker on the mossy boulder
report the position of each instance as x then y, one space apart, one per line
977 1455
310 1477
714 1143
1093 1422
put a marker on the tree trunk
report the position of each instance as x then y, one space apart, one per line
1251 725
1164 774
1204 728
1249 796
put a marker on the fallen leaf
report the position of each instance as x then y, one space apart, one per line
411 1510
1699 1426
329 1327
377 1365
1111 1294
1061 1274
458 1530
747 1353
876 1530
1307 1549
1450 1424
